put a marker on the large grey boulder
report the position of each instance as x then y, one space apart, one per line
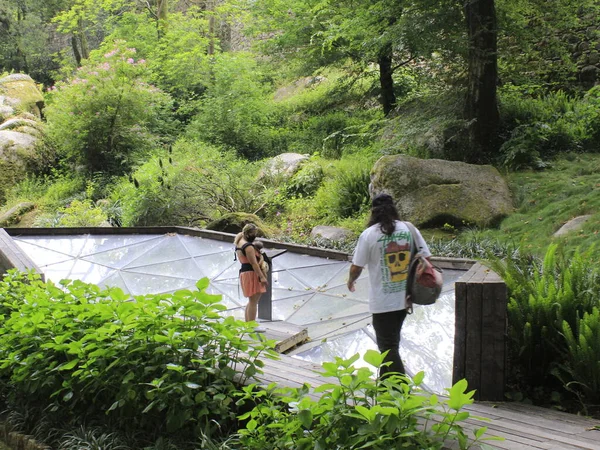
284 165
574 224
334 234
21 130
19 93
431 192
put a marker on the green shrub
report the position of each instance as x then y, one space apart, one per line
164 365
582 358
346 193
306 181
192 185
235 110
546 300
356 411
107 115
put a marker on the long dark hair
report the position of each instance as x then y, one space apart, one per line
384 213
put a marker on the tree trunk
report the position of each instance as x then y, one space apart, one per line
75 47
83 43
388 98
481 107
162 11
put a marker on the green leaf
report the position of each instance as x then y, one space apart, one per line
373 358
305 417
69 365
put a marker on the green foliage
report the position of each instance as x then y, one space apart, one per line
356 411
582 358
538 127
164 365
346 194
235 111
107 115
306 181
192 184
547 300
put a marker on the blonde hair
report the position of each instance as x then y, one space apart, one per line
249 232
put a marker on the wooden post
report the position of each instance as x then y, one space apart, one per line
265 305
480 331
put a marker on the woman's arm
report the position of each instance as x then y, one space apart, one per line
251 255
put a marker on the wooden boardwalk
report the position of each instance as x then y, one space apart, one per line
521 426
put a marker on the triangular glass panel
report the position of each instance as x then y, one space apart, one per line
361 291
325 307
120 257
184 268
282 309
318 277
229 293
59 271
216 264
88 272
230 273
169 248
42 256
114 280
280 294
283 280
102 243
140 284
70 245
294 260
198 246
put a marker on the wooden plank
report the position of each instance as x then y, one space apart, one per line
460 330
493 331
473 337
12 257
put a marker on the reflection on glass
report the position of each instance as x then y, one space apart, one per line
42 256
121 256
318 277
140 284
214 265
197 246
97 244
184 268
70 245
168 249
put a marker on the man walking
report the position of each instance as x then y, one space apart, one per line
385 248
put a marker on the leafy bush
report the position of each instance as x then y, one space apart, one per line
547 300
306 181
192 185
346 193
235 110
107 115
163 365
356 411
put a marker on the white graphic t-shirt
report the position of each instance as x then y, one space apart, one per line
387 258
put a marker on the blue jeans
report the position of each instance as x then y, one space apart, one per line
387 332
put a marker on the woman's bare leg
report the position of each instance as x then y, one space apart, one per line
252 308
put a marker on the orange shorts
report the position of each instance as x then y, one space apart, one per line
250 284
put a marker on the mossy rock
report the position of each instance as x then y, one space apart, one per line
234 222
20 92
432 192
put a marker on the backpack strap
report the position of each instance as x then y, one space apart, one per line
245 246
413 247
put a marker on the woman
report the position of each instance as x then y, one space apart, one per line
252 279
385 247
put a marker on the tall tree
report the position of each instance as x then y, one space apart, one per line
388 33
481 106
